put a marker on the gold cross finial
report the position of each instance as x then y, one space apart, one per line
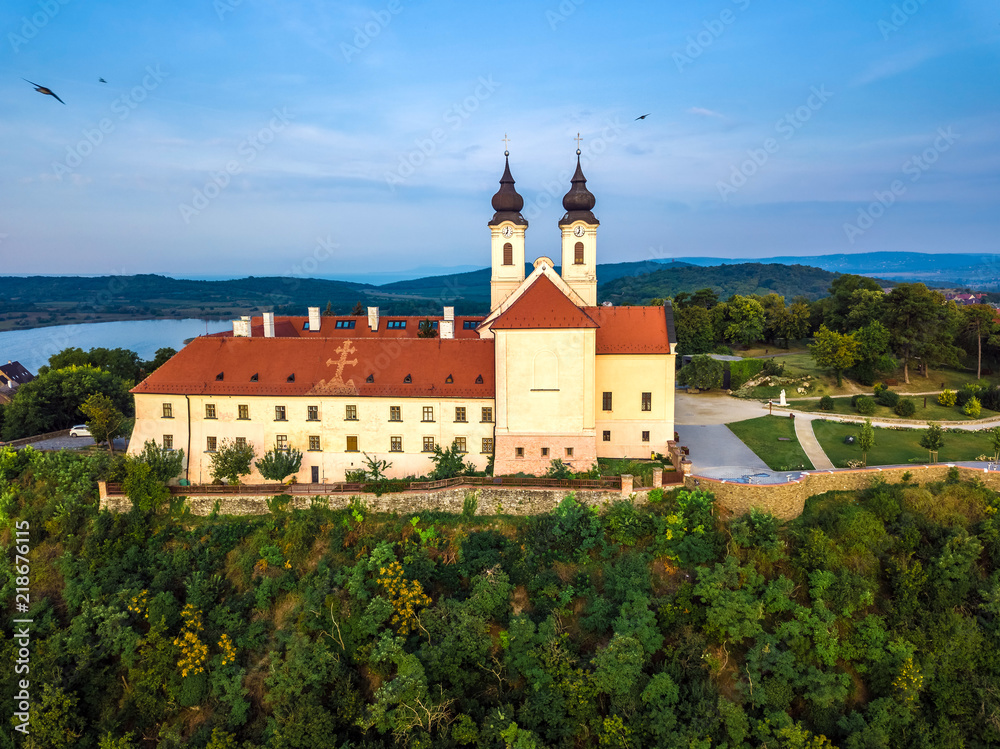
506 142
578 139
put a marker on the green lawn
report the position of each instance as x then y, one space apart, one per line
898 446
761 435
933 412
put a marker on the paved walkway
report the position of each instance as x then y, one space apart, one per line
714 446
809 443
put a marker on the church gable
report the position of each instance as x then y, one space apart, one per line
542 305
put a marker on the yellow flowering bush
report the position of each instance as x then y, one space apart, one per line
228 649
405 595
194 652
909 682
139 604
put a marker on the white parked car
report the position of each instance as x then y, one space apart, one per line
80 430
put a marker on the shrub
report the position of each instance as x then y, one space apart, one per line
854 400
743 371
702 372
947 397
887 398
905 408
826 403
774 368
973 407
879 388
969 390
865 405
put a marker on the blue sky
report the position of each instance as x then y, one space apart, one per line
238 137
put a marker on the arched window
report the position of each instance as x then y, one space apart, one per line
578 257
508 254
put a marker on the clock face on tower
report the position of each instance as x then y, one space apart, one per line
578 230
507 232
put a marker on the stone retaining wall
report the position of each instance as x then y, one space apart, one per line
786 501
492 501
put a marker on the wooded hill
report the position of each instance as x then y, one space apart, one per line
871 622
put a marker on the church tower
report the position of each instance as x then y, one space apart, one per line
507 229
579 238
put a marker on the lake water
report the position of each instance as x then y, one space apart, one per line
34 347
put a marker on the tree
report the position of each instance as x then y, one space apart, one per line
329 309
358 309
795 322
838 306
866 440
774 315
874 355
232 460
695 330
278 463
448 463
426 329
702 372
104 421
836 351
920 324
376 468
52 400
145 492
978 322
745 320
866 307
122 362
164 463
159 359
932 440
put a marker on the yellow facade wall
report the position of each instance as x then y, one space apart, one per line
627 377
372 427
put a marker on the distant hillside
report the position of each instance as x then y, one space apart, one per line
745 278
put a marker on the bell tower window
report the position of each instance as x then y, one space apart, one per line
578 254
508 253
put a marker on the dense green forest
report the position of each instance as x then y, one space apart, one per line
871 621
725 280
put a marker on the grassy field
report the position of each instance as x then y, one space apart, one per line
762 436
898 446
933 412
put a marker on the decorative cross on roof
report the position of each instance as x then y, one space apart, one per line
578 139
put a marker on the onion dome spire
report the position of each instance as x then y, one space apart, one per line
579 201
507 203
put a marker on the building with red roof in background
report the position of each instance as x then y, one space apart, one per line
547 374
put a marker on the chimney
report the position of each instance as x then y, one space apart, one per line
314 319
373 318
448 323
269 325
241 327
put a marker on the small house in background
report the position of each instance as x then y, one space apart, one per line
12 376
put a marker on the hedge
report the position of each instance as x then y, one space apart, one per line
743 371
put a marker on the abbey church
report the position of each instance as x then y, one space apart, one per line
547 374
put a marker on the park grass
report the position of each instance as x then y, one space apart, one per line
898 446
934 411
761 435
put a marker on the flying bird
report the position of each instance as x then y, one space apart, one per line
101 80
644 116
44 90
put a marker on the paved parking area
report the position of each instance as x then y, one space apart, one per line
714 446
74 443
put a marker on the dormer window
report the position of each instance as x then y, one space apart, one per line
370 378
220 376
291 378
449 379
254 377
408 378
479 380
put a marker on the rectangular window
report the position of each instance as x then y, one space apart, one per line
168 411
168 442
352 444
281 441
545 452
279 413
395 324
487 444
647 401
351 413
645 436
460 445
244 413
211 443
428 444
312 413
607 436
428 413
569 452
209 410
345 323
470 324
314 445
241 441
607 402
518 452
460 414
395 414
487 415
395 444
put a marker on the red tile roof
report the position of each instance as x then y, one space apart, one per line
543 305
325 366
630 330
292 327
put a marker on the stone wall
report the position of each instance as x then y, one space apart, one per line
786 501
492 501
